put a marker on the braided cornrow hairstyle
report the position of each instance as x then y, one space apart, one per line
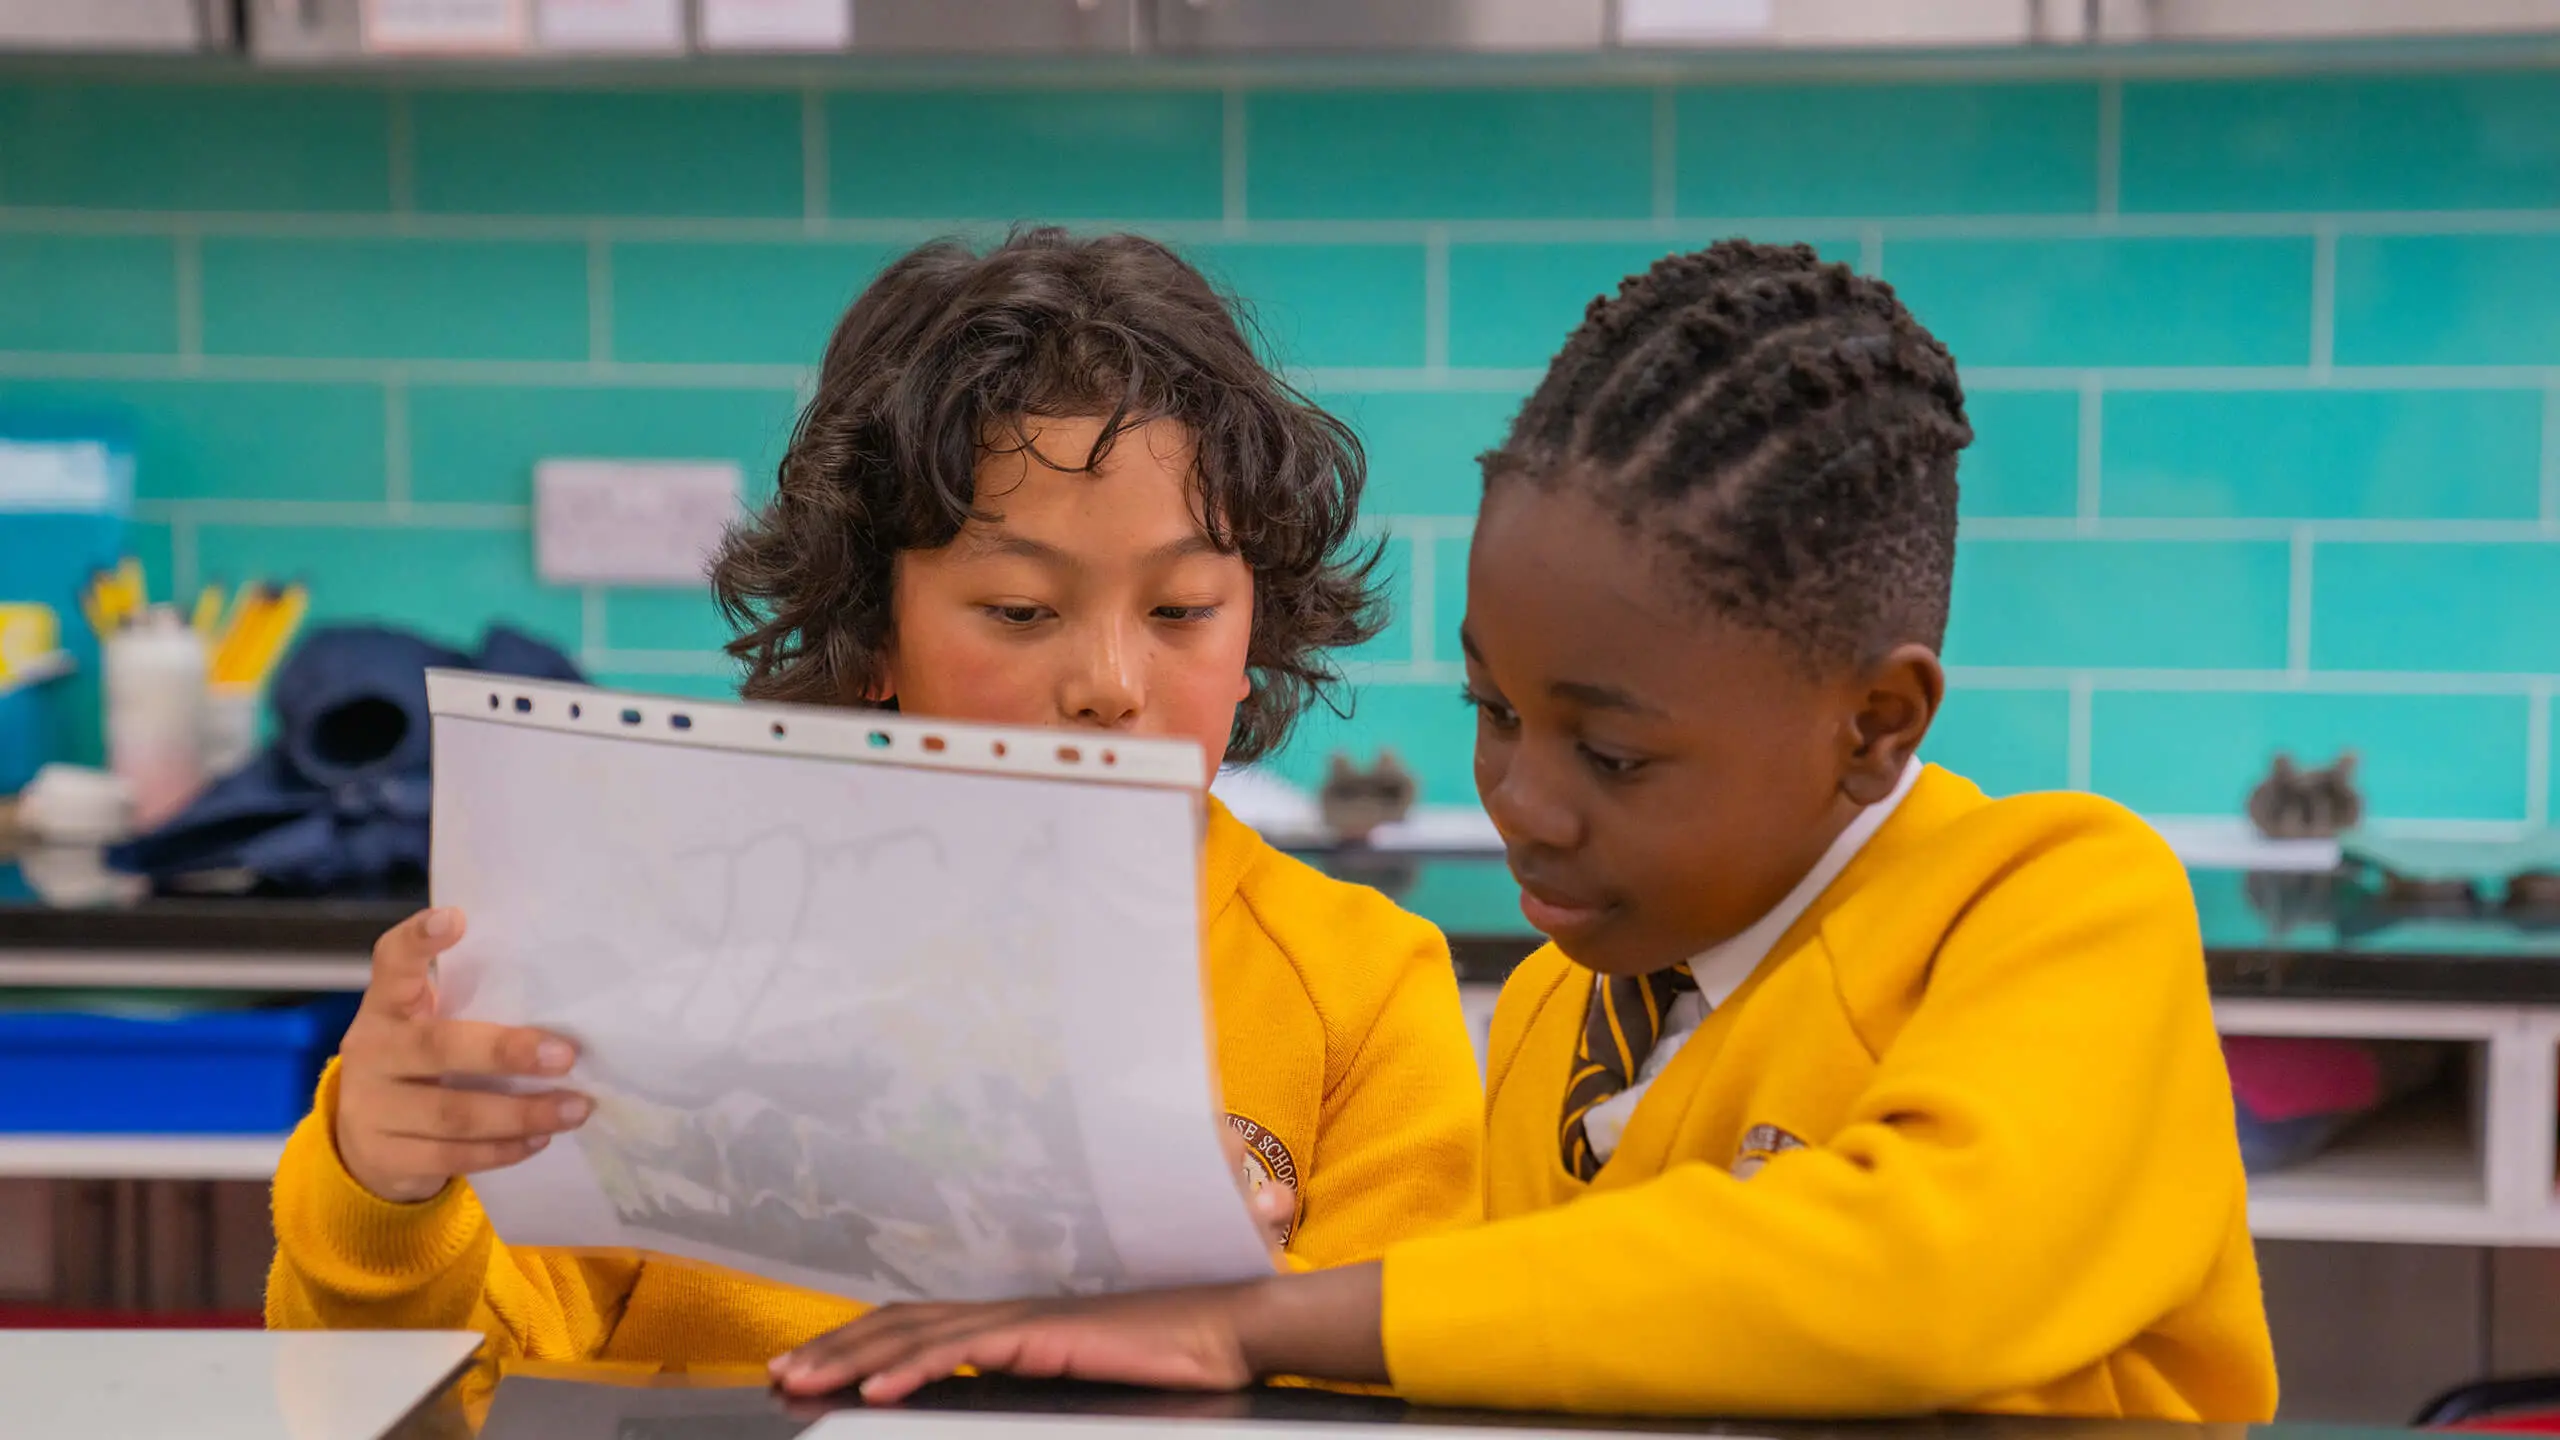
1781 426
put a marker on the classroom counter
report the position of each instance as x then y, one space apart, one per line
2451 925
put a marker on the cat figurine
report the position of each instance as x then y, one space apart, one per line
2297 804
1354 802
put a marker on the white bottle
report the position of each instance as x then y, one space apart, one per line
155 673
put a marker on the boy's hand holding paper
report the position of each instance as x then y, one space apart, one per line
403 1133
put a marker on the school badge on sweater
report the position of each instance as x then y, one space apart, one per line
1268 1162
1760 1145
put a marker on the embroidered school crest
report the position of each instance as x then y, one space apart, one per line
1760 1144
1268 1162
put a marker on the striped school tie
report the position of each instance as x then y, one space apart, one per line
1619 1029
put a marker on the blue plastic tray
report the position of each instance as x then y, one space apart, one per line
234 1072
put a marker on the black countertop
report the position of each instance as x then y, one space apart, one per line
541 1407
2365 932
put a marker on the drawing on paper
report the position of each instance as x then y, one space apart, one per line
909 1126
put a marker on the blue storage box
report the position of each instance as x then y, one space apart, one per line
221 1072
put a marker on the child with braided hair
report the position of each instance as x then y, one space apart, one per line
1842 1088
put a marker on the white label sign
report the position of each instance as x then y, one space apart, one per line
615 25
79 477
448 26
777 24
630 522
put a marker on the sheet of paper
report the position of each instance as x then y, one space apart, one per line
872 1005
222 1384
449 26
777 24
611 25
1644 22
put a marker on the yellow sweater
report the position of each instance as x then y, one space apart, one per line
1963 1141
1342 1052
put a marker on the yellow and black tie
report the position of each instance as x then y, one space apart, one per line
1618 1031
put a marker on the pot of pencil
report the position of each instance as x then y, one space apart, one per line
247 638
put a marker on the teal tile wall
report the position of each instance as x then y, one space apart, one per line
394 299
506 152
731 303
1572 154
1888 150
2106 300
1126 157
109 293
2265 369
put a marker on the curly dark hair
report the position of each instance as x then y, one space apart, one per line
1782 426
944 354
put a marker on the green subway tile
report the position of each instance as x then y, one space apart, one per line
593 152
396 299
2120 603
1513 305
1423 723
1449 155
195 147
690 687
1449 598
447 584
2381 606
755 304
1888 149
2025 455
2448 300
155 545
1394 644
2324 454
1341 305
1422 445
2009 742
683 618
98 294
481 442
2139 301
2354 142
234 440
1026 155
2419 757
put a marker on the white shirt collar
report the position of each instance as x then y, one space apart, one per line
1721 969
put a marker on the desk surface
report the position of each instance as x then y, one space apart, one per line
222 1384
528 1407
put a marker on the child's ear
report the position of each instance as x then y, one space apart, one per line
1896 698
883 684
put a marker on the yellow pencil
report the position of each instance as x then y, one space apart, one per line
129 575
248 611
208 611
108 591
279 634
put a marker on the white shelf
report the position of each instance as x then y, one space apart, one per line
2412 1173
140 1157
181 970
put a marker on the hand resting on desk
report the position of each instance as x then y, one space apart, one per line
402 1132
